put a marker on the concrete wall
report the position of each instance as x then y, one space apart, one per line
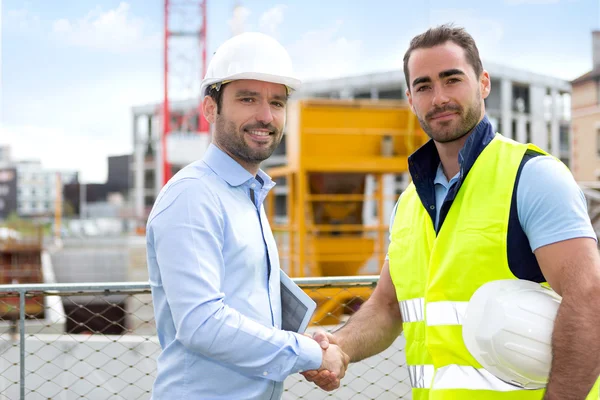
586 124
585 94
586 162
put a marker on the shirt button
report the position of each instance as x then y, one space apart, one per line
253 185
265 373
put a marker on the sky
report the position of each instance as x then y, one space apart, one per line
72 70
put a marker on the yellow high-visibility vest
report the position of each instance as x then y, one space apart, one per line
435 276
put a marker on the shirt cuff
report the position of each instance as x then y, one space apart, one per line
311 354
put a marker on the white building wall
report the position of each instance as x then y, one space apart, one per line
37 188
539 131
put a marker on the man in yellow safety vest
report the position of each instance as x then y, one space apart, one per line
480 208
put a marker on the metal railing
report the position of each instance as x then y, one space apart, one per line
98 341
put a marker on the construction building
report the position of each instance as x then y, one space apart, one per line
37 188
86 199
522 105
586 120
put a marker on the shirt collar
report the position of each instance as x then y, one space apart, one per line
424 163
482 135
230 170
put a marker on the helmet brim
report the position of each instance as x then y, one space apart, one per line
291 83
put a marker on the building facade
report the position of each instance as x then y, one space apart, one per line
38 188
586 121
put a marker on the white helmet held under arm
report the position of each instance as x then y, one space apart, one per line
508 329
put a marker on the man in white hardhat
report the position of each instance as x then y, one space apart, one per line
481 209
212 259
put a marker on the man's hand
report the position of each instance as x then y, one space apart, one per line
371 330
325 378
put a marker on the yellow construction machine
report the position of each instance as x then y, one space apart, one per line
335 220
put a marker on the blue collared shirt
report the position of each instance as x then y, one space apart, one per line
214 273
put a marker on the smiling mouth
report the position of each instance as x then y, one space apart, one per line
443 115
259 133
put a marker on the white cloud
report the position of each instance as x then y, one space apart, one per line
271 19
237 23
20 20
325 53
113 30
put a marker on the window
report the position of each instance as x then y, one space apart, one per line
520 98
549 133
564 138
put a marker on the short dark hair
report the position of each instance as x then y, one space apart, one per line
217 96
440 35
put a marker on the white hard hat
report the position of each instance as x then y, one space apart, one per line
508 329
250 55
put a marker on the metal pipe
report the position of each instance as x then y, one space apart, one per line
109 287
22 341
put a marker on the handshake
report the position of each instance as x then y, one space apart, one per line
334 365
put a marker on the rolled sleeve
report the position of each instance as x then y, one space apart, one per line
187 241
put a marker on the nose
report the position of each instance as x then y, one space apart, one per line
439 97
265 113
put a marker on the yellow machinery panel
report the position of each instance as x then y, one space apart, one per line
338 153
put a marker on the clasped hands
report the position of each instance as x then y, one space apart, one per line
334 365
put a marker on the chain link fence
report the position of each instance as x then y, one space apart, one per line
98 341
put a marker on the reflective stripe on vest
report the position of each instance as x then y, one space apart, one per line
412 310
446 312
438 313
464 377
456 377
421 376
449 376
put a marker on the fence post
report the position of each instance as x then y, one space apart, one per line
22 341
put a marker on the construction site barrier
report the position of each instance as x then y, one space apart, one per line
98 341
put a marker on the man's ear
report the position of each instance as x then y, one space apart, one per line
209 109
409 98
485 84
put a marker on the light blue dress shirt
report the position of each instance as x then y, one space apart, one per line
214 273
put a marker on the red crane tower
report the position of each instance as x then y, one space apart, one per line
184 68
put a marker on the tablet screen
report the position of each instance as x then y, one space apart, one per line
292 310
